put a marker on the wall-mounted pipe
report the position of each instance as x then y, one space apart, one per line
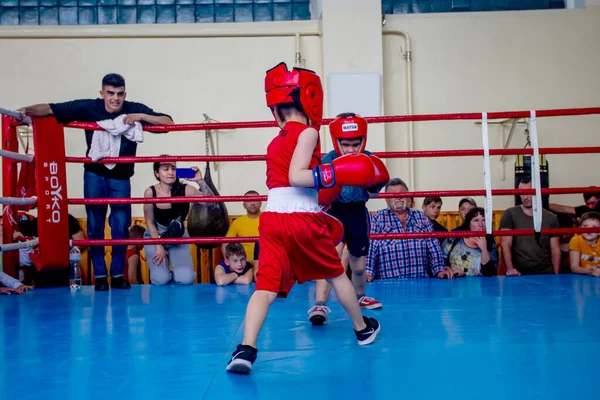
229 30
298 61
407 55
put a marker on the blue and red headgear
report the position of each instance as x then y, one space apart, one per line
299 86
348 126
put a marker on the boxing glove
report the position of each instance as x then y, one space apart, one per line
348 170
328 196
336 229
382 176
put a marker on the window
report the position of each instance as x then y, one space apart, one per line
101 12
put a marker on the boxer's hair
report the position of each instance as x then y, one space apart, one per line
114 80
235 249
254 192
286 110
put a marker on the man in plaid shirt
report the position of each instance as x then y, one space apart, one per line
406 258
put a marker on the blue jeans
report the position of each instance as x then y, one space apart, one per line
96 186
179 258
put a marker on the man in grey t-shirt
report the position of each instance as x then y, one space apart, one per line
524 254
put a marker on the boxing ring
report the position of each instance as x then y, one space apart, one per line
494 338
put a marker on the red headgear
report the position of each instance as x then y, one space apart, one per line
300 86
348 126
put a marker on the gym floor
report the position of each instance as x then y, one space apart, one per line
534 337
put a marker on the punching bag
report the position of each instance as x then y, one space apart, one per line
208 219
523 169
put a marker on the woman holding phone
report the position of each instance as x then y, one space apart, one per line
166 220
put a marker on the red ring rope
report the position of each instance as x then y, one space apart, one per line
404 154
396 118
385 154
411 235
406 118
437 193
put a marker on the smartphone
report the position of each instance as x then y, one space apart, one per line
185 173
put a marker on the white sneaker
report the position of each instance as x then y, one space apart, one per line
317 315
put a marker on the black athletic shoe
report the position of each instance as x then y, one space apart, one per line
101 285
368 335
119 283
242 359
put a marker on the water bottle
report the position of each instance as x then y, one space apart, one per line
75 270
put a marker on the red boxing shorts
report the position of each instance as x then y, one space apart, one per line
294 246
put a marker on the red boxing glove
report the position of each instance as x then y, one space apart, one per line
329 195
382 176
349 170
335 228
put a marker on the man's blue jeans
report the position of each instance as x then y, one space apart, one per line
96 186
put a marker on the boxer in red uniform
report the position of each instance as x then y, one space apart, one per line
296 243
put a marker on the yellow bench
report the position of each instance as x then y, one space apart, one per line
205 260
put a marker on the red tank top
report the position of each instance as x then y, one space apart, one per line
280 152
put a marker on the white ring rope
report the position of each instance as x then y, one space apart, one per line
535 175
16 156
487 175
16 115
21 201
19 245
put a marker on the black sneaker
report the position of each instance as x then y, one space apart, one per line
242 359
101 285
119 283
368 335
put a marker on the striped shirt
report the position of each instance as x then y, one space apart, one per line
406 258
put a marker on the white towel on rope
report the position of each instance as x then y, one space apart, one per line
107 143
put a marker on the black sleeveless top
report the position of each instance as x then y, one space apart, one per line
164 216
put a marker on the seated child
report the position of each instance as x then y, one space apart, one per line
27 228
133 265
246 225
585 248
235 269
8 284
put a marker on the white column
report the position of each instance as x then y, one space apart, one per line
353 65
